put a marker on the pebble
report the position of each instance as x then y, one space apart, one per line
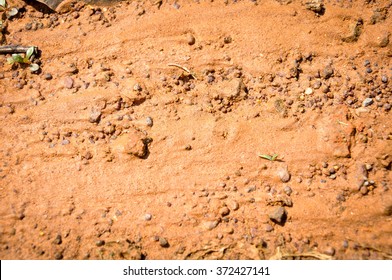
48 76
58 256
58 240
367 102
68 82
234 205
384 79
65 142
100 243
364 190
269 228
211 224
287 190
227 40
148 217
284 175
224 211
163 242
309 91
340 197
191 40
366 63
149 122
330 251
278 215
95 116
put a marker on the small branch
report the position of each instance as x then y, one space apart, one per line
13 49
183 68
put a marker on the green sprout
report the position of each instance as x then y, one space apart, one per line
17 58
270 157
9 12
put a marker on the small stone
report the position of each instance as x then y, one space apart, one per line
65 142
327 72
100 243
369 70
209 225
288 190
224 211
340 197
284 175
368 167
367 102
48 76
388 210
384 79
68 82
163 242
137 87
188 147
316 6
234 205
330 251
58 256
148 217
279 215
191 40
58 240
366 63
149 122
309 91
227 40
364 190
269 228
95 116
387 106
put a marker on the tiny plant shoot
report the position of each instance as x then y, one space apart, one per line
17 58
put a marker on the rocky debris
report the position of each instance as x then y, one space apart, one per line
132 143
235 90
367 102
283 174
224 211
191 39
355 30
379 15
281 200
163 242
327 72
287 190
149 121
268 228
278 215
68 82
100 243
147 217
58 240
284 2
316 6
387 210
210 225
95 115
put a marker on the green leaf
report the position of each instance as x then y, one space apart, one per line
29 52
266 157
274 156
17 58
2 3
12 12
10 60
34 67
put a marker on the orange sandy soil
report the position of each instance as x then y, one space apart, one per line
110 153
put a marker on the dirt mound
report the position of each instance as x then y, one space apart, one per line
146 131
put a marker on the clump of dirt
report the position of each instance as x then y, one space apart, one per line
110 152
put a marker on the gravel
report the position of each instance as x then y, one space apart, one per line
147 217
284 175
278 215
163 242
68 82
95 116
367 102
